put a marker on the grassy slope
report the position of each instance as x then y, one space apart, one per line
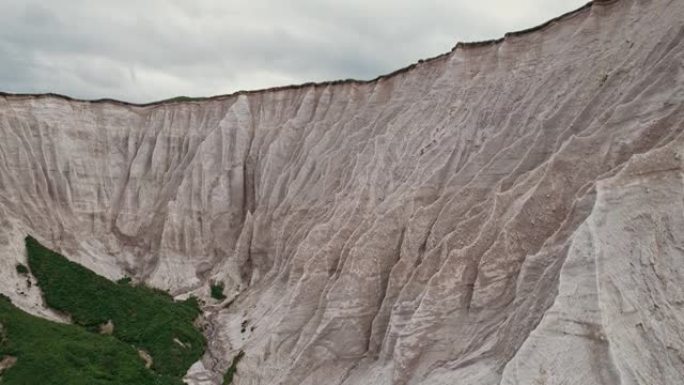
145 318
49 353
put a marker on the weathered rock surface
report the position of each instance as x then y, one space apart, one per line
507 213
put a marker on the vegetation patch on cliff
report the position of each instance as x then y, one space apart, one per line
49 353
217 291
143 318
232 370
22 269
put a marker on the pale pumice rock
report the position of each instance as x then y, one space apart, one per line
507 213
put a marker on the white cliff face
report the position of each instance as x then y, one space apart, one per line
508 213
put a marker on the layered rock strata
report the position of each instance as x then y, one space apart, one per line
508 213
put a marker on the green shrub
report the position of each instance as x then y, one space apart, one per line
217 291
146 318
181 99
22 269
230 373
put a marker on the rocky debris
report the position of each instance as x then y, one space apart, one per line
107 328
145 356
6 362
179 343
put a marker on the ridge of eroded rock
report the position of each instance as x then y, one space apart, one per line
483 218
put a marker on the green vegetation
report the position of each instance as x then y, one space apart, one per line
49 353
230 373
217 291
22 269
145 318
182 99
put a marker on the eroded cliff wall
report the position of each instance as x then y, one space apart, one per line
508 213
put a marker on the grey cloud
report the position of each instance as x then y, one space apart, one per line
154 49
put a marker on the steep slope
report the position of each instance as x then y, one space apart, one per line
507 213
121 334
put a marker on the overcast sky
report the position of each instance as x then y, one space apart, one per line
145 50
